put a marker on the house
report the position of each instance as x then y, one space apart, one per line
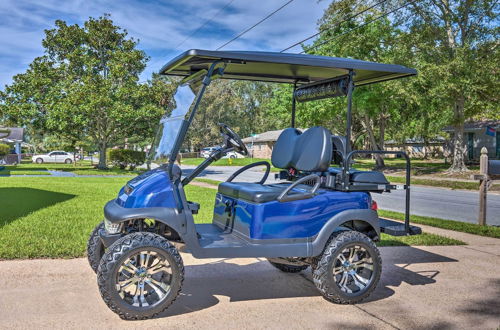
261 145
13 136
418 148
478 134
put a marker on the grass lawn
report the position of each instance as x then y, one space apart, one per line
80 168
471 228
52 217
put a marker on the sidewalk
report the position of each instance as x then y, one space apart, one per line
421 288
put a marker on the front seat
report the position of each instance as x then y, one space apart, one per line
310 151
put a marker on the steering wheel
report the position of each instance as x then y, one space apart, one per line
231 139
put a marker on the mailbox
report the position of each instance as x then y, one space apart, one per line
494 168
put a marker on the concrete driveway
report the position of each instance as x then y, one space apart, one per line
421 288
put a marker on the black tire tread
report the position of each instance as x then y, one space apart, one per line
111 258
289 268
95 248
321 269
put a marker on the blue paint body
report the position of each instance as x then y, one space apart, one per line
275 220
150 189
271 220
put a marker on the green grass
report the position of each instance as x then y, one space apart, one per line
436 182
209 181
424 239
52 217
470 228
9 172
81 168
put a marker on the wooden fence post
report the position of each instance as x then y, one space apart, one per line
483 188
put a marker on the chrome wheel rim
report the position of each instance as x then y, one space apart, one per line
353 269
144 279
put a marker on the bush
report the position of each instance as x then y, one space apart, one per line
4 150
126 157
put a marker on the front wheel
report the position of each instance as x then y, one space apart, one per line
95 248
39 161
349 268
140 275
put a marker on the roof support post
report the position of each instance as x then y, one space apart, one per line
350 88
347 146
293 104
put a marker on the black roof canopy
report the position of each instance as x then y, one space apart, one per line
283 67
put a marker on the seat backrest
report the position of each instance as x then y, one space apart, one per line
309 151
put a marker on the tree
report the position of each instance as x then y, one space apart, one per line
86 84
375 106
454 45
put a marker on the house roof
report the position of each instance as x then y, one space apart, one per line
283 67
473 125
15 134
269 136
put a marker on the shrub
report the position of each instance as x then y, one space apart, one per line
4 150
126 157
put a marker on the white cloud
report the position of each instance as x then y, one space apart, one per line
159 25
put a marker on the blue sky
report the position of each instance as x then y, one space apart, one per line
159 25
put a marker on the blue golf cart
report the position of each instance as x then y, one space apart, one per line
319 214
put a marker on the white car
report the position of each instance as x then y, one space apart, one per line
53 157
205 152
233 155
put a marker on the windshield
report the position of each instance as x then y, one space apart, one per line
171 124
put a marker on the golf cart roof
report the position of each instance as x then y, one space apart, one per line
283 67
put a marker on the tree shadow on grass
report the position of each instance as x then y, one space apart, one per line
17 202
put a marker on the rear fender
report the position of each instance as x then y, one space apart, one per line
365 220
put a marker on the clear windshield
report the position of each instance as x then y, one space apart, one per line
171 123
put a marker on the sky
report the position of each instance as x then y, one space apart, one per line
161 26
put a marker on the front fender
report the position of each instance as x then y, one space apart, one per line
167 215
366 215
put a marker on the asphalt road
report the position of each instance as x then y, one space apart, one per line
442 203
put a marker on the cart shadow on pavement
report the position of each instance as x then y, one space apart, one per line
207 284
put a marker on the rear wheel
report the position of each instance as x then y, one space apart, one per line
140 275
349 269
68 161
289 268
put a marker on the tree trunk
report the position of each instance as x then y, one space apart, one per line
102 157
379 161
458 163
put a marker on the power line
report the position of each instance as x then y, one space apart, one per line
336 24
253 26
360 26
204 24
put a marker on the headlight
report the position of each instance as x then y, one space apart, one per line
112 228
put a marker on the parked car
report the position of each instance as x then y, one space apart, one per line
53 157
205 152
233 155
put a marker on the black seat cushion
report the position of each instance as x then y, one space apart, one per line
358 176
368 177
310 151
253 192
